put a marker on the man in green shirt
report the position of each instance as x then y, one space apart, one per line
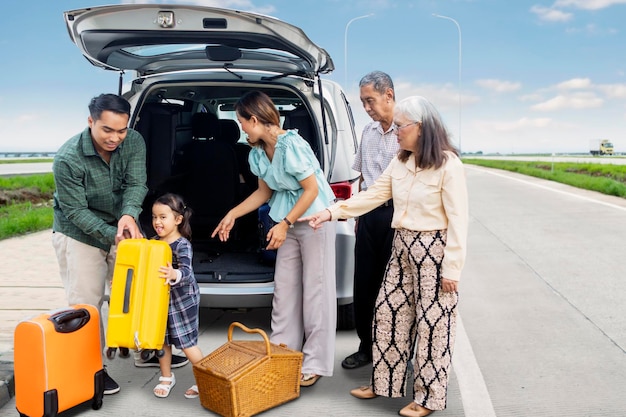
100 179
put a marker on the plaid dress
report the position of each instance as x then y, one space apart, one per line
183 313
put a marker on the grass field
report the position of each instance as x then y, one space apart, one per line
603 178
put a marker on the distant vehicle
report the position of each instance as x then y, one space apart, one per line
601 147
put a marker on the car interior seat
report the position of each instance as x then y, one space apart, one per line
211 188
300 119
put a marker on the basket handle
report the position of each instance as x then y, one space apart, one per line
248 330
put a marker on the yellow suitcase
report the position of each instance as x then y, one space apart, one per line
139 299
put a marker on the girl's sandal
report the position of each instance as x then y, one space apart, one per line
166 388
194 392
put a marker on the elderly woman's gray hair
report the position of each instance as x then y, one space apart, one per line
433 140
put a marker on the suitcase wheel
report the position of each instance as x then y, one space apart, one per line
160 353
124 353
96 404
145 354
111 353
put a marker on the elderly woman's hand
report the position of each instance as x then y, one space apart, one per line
448 285
316 220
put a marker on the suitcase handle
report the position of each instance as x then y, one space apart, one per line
248 330
69 321
127 289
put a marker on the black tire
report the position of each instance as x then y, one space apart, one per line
160 353
345 317
124 353
145 355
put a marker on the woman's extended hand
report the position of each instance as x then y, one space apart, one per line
447 285
224 227
316 220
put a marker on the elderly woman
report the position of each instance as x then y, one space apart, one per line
418 299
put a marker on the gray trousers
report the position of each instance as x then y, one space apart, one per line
304 309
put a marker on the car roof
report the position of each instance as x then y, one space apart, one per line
155 38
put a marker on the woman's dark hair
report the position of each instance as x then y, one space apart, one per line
259 104
177 204
108 102
433 141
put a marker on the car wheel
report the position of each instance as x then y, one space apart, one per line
345 317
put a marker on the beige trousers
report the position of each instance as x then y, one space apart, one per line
85 272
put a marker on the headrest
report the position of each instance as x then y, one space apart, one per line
230 132
204 126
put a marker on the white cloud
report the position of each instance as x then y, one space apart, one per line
551 15
499 86
574 84
510 126
578 101
26 118
588 4
613 90
531 97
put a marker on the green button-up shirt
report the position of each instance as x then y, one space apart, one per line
92 195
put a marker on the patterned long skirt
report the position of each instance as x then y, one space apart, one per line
411 308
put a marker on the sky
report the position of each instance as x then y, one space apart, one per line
513 77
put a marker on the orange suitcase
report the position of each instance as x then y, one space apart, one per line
49 378
139 299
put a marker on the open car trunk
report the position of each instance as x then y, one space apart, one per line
195 148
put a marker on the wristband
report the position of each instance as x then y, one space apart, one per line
286 220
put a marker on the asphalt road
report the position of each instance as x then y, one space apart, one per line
543 317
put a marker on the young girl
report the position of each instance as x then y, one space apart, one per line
170 220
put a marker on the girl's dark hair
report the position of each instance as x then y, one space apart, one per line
108 102
259 104
177 204
434 140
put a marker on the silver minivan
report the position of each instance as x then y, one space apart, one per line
189 65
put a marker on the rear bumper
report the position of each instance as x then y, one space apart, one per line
254 295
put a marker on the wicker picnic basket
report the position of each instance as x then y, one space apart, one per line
243 378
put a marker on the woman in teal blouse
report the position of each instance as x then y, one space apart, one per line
304 309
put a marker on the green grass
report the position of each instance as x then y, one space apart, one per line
43 182
25 160
603 178
25 204
22 218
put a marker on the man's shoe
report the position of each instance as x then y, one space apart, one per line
177 362
110 386
356 360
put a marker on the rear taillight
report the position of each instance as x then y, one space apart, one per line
342 190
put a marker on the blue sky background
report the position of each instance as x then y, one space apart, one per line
536 76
